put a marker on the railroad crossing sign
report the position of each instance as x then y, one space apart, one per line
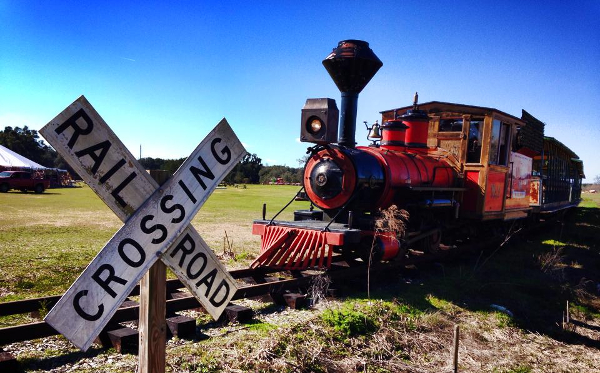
157 220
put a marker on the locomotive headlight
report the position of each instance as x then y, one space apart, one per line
319 123
315 125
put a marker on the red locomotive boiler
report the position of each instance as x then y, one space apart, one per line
451 167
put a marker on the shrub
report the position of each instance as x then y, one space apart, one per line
348 321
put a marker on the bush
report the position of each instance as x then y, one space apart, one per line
348 321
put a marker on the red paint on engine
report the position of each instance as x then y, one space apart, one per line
404 169
417 132
348 180
389 244
494 191
470 197
393 133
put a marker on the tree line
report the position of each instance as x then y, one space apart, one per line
249 170
27 142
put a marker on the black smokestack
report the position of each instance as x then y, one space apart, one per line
351 66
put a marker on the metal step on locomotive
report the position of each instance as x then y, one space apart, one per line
455 171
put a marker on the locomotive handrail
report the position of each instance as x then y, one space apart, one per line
435 170
437 189
512 165
326 229
284 207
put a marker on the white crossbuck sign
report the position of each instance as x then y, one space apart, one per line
157 220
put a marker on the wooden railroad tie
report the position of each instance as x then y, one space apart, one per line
181 327
295 300
8 363
237 313
125 340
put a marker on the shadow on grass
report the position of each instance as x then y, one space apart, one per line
31 193
49 363
521 276
582 324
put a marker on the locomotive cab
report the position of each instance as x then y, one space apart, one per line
481 143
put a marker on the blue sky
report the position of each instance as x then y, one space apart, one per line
163 74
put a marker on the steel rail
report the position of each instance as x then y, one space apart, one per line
36 304
129 311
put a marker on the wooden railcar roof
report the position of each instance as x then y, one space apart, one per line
562 146
532 135
432 107
573 157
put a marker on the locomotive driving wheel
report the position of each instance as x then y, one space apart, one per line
353 254
358 254
431 243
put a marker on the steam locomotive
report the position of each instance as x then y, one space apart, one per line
456 170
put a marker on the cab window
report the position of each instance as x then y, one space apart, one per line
451 125
499 143
474 143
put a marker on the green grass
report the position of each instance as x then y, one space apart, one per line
584 311
348 321
244 204
590 200
553 243
261 327
48 239
359 317
517 369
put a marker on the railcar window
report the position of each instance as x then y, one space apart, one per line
516 139
499 143
504 141
474 144
494 142
451 125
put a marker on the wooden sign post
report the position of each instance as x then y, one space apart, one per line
152 326
157 221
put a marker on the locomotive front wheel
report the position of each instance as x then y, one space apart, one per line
351 256
431 243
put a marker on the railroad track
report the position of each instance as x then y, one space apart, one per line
263 283
259 282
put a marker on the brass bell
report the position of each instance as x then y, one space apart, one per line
375 132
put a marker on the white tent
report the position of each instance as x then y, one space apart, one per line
8 159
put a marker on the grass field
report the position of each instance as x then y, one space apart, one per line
406 325
47 239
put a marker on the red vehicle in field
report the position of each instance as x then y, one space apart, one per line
22 180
